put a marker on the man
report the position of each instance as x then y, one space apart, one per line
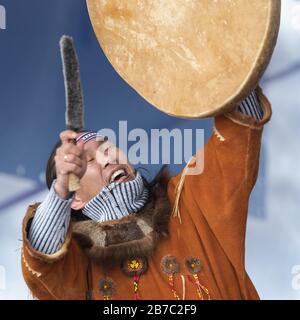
116 237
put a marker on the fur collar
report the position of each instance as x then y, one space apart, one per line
136 235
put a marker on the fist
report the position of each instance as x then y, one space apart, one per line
69 158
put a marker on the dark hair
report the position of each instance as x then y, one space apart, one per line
50 168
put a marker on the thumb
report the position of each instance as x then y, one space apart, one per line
80 146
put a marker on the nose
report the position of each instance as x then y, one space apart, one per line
107 154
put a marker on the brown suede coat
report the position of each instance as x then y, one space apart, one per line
213 207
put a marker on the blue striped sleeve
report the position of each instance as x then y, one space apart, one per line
50 224
251 107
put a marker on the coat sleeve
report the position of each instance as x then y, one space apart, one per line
230 168
61 275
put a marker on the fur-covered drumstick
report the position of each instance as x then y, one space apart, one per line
74 96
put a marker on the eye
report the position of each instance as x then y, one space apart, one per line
108 149
90 160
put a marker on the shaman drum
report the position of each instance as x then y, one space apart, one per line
188 58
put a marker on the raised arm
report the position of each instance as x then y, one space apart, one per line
231 162
50 257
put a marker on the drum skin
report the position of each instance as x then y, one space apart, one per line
188 58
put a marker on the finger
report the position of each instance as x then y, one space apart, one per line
69 148
80 145
71 158
67 168
67 135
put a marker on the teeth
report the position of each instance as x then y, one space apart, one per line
116 173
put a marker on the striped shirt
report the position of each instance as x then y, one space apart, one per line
50 224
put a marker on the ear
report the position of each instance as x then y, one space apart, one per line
77 203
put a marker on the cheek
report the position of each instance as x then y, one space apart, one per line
132 171
92 179
122 159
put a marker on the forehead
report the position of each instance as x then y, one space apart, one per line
86 136
92 142
92 145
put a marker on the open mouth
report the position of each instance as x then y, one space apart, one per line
119 175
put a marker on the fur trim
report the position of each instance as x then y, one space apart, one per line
136 235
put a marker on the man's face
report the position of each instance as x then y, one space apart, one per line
105 164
